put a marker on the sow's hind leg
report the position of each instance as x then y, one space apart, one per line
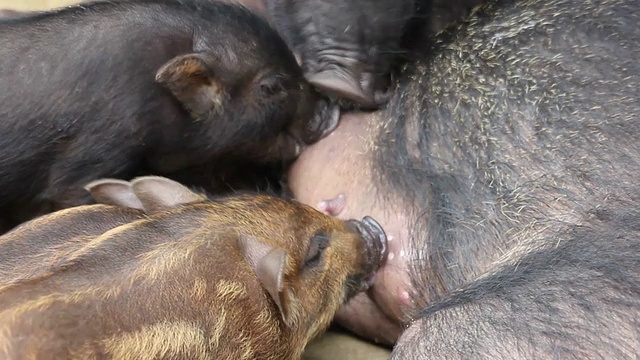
577 300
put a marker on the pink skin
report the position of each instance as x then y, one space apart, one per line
339 164
8 13
334 176
333 207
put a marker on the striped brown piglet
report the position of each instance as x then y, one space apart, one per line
160 271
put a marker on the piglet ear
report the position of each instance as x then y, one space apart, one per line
158 193
269 265
113 192
192 82
270 271
343 84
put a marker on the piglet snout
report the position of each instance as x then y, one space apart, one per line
378 238
375 241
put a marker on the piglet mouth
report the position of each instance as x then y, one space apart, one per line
376 237
291 147
376 249
324 121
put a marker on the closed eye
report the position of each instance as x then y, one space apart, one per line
318 243
272 85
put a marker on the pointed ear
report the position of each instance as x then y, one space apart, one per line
192 82
113 192
269 264
158 193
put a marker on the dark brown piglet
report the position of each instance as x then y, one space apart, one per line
126 88
238 277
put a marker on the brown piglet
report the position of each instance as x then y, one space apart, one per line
182 276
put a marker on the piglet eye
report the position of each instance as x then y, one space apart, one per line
319 242
272 85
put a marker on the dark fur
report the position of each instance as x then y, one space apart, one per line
577 300
525 180
360 41
83 101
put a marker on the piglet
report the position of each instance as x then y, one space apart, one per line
245 276
125 88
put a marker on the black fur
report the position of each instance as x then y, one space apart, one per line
361 40
81 101
525 171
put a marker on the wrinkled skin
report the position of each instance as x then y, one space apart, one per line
346 47
349 48
504 172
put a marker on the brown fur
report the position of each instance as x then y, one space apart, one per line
40 244
188 280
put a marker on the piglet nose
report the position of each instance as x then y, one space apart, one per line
374 238
378 234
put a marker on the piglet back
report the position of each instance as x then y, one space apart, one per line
34 246
172 284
